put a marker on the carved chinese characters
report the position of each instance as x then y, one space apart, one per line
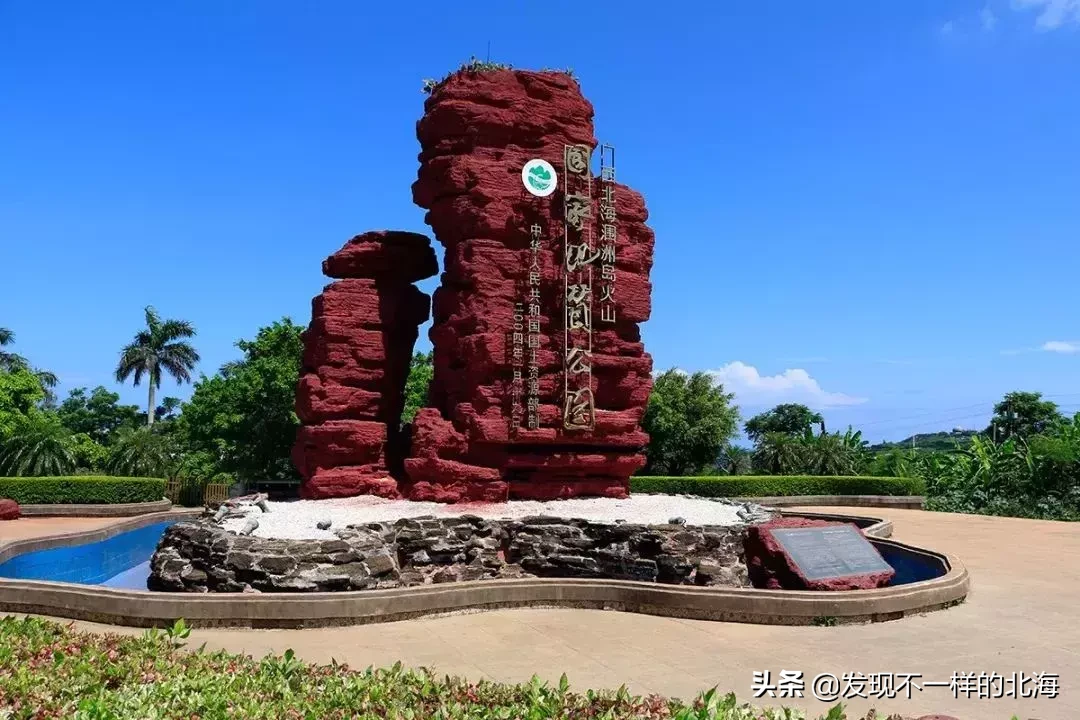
608 234
578 402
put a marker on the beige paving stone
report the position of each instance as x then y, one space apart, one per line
32 527
1023 615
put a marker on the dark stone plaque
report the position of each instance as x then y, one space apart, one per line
829 552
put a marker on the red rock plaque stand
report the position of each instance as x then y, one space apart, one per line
770 566
356 361
478 131
9 509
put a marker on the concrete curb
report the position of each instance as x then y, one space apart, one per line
96 510
141 608
905 502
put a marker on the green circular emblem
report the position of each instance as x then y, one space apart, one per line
539 178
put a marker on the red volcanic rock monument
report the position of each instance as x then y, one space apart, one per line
356 361
540 376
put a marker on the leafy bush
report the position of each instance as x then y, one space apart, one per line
1036 478
81 489
90 456
777 485
421 371
49 670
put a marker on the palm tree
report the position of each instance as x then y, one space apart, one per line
735 460
141 452
167 409
7 360
159 347
39 447
835 454
779 454
12 362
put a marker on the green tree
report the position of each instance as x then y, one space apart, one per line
11 362
735 460
142 452
159 347
1022 414
38 446
421 370
779 453
894 462
243 416
789 419
689 419
168 409
99 416
834 454
89 455
20 392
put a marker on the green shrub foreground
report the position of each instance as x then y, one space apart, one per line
51 671
777 485
81 489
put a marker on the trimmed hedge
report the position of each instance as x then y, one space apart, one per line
81 490
777 485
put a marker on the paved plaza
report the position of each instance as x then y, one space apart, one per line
1022 616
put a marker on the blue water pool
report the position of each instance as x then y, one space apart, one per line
122 561
910 566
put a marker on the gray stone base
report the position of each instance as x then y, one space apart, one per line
199 556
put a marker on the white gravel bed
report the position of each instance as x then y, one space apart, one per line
297 519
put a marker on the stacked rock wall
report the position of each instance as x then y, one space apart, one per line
197 556
478 131
357 352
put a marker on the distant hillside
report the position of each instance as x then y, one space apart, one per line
929 441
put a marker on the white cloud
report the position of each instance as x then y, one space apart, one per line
947 28
1061 346
753 389
1052 14
1065 347
988 18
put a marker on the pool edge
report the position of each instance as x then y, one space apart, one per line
143 608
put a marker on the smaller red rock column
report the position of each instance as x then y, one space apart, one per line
356 362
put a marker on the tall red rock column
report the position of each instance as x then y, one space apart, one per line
477 132
357 352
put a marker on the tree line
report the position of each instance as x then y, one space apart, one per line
692 423
239 424
1025 463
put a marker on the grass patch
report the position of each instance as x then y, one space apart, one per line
777 485
81 489
49 670
478 66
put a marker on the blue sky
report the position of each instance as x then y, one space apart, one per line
869 207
